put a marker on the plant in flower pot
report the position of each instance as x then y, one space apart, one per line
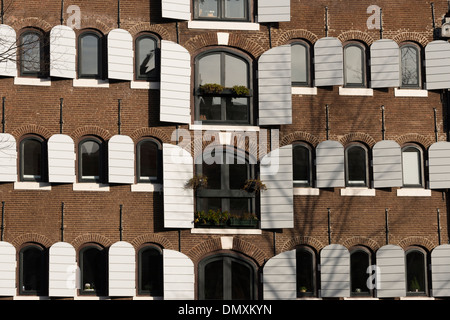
254 185
211 88
196 182
303 289
211 218
240 91
244 220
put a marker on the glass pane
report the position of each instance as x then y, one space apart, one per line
410 72
89 64
32 269
214 174
31 53
152 272
301 165
241 281
240 206
213 284
90 160
148 161
356 164
415 262
146 47
411 167
32 157
299 64
208 8
359 263
353 65
206 204
210 108
93 271
238 173
236 71
305 271
209 69
237 109
235 9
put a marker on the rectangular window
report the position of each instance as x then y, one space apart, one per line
227 10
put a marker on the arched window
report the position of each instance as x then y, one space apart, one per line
354 65
416 271
227 277
410 66
217 72
306 272
150 271
90 54
302 165
412 165
33 270
149 158
356 166
301 67
236 10
32 54
32 159
147 58
94 272
360 260
90 160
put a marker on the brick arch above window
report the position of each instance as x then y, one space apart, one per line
32 129
411 36
426 142
150 132
303 240
32 22
158 30
79 241
96 24
417 241
154 239
357 136
90 131
356 35
290 35
299 136
361 241
32 238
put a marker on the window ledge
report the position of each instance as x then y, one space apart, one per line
146 187
299 191
25 81
306 91
32 185
223 25
410 93
413 192
229 128
90 186
355 91
360 192
91 83
148 85
225 231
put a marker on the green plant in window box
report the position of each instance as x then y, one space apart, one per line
303 289
240 91
212 218
254 185
414 285
244 220
211 88
196 182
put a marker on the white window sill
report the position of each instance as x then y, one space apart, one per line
410 93
88 186
146 187
305 91
224 231
355 92
230 128
299 191
31 185
90 83
413 192
358 192
148 85
223 25
25 81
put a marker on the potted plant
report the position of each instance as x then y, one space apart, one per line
245 220
414 285
303 289
197 181
211 88
240 91
212 218
254 185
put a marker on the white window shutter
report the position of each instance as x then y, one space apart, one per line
330 164
179 276
120 55
277 202
275 86
62 270
61 159
328 62
8 158
439 165
391 279
274 11
437 65
335 271
385 64
387 164
8 48
440 262
280 277
178 201
122 269
63 52
176 9
175 87
7 269
121 159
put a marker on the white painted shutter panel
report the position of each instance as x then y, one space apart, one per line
176 9
7 269
330 164
175 101
8 158
178 201
275 86
328 62
63 52
8 48
385 64
277 202
440 262
178 276
335 271
274 11
280 277
391 272
122 269
62 270
387 164
120 55
437 65
61 159
439 165
121 159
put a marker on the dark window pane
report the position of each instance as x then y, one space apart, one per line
305 271
410 70
89 55
213 286
32 270
90 160
32 157
94 271
415 264
151 280
354 65
237 109
238 174
356 163
359 263
206 204
210 108
31 53
301 165
146 60
241 281
148 161
240 206
299 64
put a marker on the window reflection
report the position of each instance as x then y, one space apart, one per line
146 58
89 56
31 53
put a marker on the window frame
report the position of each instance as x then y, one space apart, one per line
43 159
426 257
100 57
364 69
42 275
102 158
102 291
421 166
138 75
141 291
220 13
159 164
418 65
42 54
370 261
366 166
310 182
309 65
